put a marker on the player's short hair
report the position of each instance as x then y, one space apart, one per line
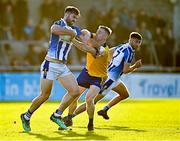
72 9
107 29
135 35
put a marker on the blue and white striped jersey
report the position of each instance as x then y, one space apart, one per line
58 48
123 54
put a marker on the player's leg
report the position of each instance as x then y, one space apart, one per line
98 98
106 88
90 107
73 105
46 82
84 82
70 84
68 119
45 90
122 92
81 108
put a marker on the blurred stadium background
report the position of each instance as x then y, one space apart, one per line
24 37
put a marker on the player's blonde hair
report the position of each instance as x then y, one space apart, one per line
107 29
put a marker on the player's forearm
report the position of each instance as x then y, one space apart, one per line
83 47
57 30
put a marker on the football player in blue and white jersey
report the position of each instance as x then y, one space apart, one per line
121 63
54 68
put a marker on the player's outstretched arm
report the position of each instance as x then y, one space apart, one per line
84 47
58 30
130 68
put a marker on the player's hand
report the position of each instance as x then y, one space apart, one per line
85 36
73 34
69 38
66 38
138 63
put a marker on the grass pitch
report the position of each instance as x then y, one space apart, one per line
155 119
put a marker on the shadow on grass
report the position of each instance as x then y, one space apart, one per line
69 135
119 128
89 135
43 136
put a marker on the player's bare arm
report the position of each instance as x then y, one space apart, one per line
82 46
130 68
58 30
87 38
88 44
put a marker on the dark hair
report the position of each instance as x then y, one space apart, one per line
72 9
107 29
135 35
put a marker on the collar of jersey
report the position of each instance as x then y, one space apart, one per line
131 47
64 21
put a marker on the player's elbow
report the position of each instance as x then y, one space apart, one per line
126 95
54 29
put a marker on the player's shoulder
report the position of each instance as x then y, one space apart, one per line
125 46
60 22
121 47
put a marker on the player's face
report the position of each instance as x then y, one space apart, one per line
136 43
101 34
71 18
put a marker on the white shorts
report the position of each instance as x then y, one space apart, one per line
113 85
53 71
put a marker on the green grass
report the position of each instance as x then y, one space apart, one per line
130 120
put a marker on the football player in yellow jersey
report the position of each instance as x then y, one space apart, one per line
121 62
92 76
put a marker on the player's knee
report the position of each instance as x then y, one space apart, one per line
126 95
74 92
44 97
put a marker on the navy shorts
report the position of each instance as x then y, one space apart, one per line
85 80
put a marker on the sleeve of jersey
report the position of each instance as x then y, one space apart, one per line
78 30
127 57
60 23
